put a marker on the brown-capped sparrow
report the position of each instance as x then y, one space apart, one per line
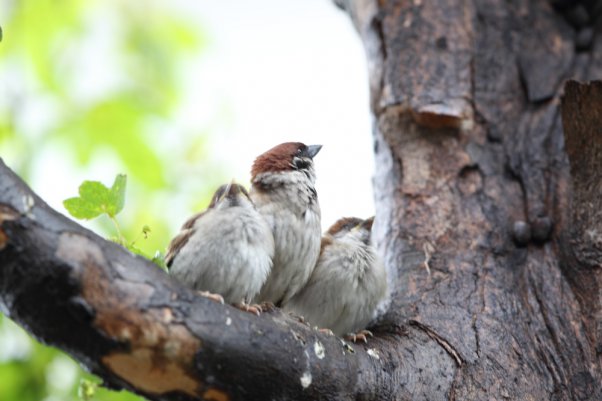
283 191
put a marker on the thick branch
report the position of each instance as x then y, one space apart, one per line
130 323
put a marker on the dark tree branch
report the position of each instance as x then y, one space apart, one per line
127 321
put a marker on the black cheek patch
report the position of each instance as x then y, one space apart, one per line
301 163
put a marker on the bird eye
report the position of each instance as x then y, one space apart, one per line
299 151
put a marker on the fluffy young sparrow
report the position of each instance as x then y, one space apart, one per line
283 191
227 249
347 284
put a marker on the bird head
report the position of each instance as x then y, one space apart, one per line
288 156
352 226
229 195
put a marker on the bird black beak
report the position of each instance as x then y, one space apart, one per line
312 150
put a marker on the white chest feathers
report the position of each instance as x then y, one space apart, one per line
228 251
288 201
344 289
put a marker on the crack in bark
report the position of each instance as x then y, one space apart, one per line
481 280
449 349
454 383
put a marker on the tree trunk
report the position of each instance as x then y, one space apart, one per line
489 219
473 191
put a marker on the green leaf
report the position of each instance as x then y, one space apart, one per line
95 199
80 209
87 389
118 193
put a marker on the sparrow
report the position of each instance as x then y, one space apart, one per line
348 283
225 250
282 188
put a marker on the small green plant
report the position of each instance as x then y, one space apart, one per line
96 199
86 389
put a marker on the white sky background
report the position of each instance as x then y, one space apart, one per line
289 70
273 71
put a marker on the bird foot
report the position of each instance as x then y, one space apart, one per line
254 308
267 306
212 296
361 335
298 318
326 331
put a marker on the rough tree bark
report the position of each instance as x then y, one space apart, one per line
473 173
489 219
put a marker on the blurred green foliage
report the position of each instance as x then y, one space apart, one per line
97 83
